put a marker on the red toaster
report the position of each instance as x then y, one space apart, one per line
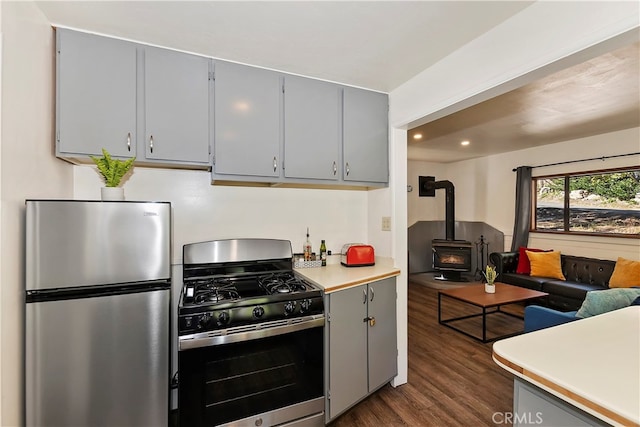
357 255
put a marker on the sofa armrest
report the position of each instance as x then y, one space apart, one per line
505 262
538 317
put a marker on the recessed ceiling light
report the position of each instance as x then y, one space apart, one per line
465 143
417 136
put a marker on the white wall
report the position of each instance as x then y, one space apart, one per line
28 169
425 208
205 212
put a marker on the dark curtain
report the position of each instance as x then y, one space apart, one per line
523 208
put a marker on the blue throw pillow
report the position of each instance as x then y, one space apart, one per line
598 302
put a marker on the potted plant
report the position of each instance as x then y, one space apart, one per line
112 171
490 274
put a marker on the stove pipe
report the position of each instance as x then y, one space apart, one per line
429 185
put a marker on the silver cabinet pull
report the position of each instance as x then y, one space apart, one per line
129 141
275 163
372 294
347 168
151 144
335 168
364 296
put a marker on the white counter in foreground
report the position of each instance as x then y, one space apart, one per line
592 364
334 277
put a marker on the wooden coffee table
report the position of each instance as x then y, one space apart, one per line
475 295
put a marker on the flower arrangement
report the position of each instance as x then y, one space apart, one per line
112 170
490 274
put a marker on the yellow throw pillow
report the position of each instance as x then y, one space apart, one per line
546 264
625 274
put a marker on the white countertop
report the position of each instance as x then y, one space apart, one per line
335 276
593 363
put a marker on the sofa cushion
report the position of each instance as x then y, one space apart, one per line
524 266
587 270
522 280
598 302
571 290
546 264
626 273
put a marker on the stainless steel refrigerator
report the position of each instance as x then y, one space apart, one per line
97 313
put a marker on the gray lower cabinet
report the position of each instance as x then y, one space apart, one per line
247 122
361 344
366 136
312 128
132 100
95 95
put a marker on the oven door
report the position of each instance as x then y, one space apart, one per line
263 381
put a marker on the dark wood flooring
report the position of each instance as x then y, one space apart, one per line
452 379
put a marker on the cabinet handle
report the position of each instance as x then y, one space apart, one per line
151 144
335 168
371 320
275 163
129 141
348 170
364 296
372 294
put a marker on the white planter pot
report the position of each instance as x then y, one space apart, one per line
112 193
490 289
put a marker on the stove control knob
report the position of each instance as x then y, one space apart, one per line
203 321
258 312
305 305
223 318
289 307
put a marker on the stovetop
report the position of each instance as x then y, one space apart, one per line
218 302
236 282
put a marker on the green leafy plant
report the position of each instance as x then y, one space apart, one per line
490 274
112 170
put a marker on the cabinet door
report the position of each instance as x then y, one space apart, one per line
176 105
96 95
366 136
312 112
383 353
347 348
247 120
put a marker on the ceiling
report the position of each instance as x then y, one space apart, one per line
598 96
379 45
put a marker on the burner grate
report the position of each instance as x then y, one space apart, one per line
282 283
214 291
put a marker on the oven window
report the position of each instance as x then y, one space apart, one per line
223 383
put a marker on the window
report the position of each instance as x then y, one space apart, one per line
594 203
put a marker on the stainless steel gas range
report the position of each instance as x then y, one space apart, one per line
250 337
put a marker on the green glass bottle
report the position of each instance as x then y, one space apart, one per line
323 253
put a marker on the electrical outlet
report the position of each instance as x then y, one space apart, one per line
386 223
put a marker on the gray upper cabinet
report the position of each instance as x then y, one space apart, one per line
247 121
96 95
131 99
366 136
176 107
312 128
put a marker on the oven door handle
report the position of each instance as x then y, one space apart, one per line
250 332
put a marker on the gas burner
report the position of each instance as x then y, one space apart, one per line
283 283
214 291
216 295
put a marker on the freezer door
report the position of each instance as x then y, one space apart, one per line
84 243
98 361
